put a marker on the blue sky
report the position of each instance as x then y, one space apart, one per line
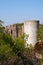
15 11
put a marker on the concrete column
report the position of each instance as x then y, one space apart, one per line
31 29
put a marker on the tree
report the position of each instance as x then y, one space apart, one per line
1 22
1 26
19 45
40 32
6 42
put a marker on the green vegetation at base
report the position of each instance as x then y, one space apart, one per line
40 32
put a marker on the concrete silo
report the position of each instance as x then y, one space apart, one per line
31 29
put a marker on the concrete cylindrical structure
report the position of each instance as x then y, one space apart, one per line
30 29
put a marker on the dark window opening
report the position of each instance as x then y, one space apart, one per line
11 31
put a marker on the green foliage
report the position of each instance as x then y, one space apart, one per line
19 45
1 26
41 62
40 32
1 23
5 44
8 39
31 46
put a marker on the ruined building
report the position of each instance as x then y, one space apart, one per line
28 27
16 30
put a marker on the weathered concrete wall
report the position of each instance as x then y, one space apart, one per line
15 30
31 28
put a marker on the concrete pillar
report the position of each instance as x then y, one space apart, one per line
31 29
